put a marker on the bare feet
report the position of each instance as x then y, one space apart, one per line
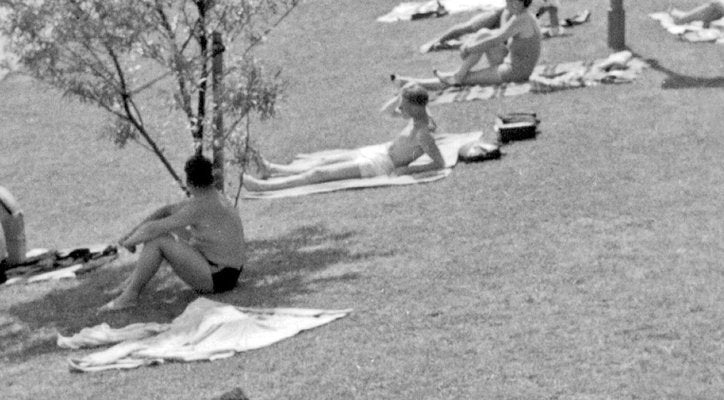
262 166
447 78
676 16
430 46
118 304
252 184
398 80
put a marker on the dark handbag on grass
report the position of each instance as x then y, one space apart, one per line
516 126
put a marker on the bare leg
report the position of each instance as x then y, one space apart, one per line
495 56
707 12
432 84
487 20
485 76
287 170
339 171
186 262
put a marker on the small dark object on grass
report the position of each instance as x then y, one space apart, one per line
3 277
234 394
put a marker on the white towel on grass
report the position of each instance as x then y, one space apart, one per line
404 11
206 330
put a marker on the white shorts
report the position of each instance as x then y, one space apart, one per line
374 162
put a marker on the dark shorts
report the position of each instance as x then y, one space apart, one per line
225 279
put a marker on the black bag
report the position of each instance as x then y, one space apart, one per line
478 151
516 126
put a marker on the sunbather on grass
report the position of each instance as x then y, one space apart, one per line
415 140
202 238
707 12
512 52
494 19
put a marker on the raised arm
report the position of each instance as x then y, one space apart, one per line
391 107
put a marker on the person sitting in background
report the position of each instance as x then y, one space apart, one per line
412 142
494 19
12 232
512 52
707 13
201 238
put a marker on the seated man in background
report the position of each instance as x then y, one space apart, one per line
494 19
512 52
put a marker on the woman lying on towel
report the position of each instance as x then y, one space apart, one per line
707 12
202 238
512 52
415 140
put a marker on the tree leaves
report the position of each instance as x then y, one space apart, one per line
101 52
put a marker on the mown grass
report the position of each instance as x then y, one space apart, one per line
583 265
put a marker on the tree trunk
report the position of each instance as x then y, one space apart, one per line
616 25
217 146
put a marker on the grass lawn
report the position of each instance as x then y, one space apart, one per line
585 264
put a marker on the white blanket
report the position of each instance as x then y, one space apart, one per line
405 11
206 330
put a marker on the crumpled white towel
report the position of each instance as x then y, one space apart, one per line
405 10
206 330
103 334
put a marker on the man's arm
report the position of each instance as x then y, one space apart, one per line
161 212
509 29
391 107
174 217
431 149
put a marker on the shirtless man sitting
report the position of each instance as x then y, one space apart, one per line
494 19
212 258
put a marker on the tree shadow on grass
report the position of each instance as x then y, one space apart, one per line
675 80
278 270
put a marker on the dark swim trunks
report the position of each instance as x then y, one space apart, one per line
225 279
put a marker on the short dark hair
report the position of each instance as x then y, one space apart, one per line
415 94
526 3
199 172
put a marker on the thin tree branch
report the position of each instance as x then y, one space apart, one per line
125 96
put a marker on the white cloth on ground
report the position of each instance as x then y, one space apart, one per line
206 330
404 11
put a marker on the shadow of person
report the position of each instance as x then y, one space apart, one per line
279 269
675 80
